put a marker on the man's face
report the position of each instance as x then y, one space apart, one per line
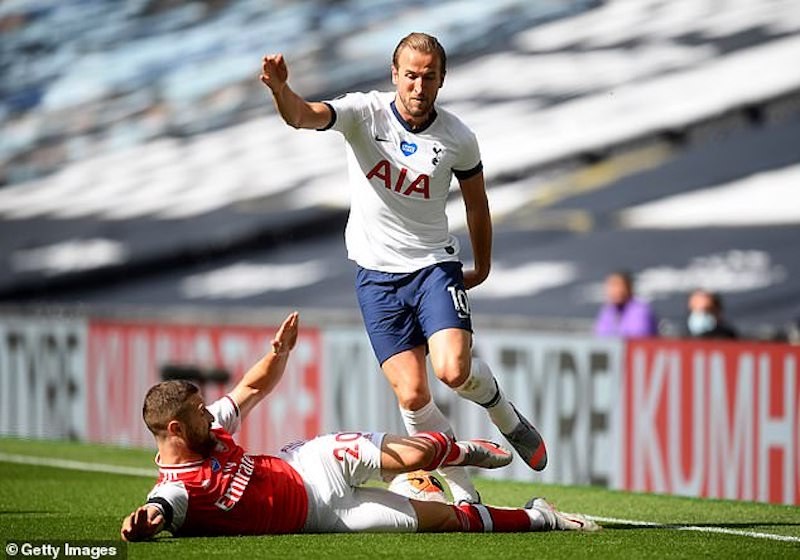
197 427
617 290
418 77
701 302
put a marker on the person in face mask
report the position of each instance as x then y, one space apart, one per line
705 317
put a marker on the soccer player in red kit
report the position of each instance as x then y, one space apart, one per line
209 485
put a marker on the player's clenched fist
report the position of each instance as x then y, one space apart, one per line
274 72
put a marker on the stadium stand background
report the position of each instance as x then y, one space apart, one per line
142 164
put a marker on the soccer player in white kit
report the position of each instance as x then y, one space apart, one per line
209 485
402 152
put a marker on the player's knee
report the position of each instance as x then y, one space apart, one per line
411 399
453 371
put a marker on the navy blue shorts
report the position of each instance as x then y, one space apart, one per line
401 311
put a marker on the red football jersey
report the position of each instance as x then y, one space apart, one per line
230 492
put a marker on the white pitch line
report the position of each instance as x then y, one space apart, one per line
76 465
723 530
151 473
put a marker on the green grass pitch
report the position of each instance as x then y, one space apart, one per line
44 502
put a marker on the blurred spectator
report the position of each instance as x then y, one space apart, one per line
705 317
793 332
623 314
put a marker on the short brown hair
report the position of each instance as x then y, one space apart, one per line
421 42
625 275
166 401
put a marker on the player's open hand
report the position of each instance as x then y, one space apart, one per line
286 337
274 73
142 524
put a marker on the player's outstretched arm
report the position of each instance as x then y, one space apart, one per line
144 523
296 111
479 223
261 379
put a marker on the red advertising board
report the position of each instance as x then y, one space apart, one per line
717 420
124 360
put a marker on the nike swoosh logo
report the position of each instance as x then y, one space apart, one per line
379 139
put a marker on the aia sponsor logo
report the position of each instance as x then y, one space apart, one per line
404 184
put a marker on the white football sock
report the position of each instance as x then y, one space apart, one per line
430 419
482 388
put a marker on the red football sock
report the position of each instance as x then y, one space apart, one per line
478 518
446 449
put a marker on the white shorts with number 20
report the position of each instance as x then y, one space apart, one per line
333 467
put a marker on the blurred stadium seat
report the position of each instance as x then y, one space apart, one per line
136 133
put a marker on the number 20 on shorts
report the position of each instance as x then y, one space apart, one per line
348 447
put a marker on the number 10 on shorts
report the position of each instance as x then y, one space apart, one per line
460 301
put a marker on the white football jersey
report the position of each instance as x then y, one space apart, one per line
399 181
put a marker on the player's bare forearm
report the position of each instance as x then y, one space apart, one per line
261 379
298 113
295 111
479 224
